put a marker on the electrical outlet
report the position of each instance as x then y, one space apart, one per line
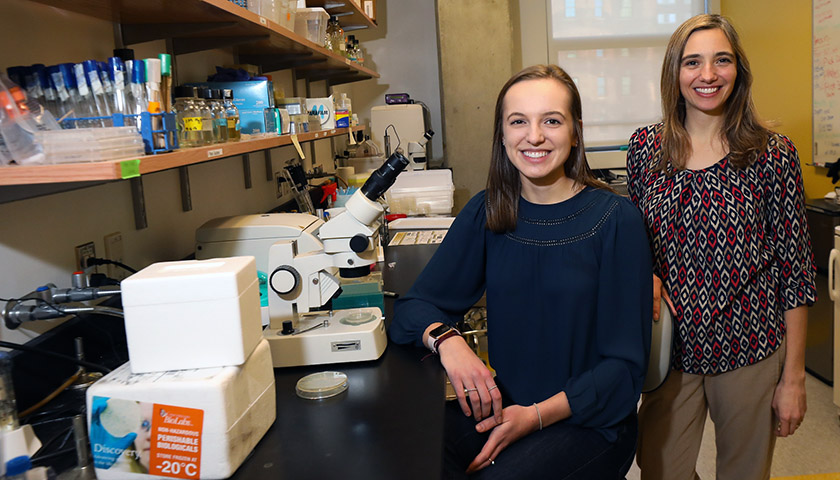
114 252
83 252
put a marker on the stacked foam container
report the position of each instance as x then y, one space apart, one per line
197 393
422 192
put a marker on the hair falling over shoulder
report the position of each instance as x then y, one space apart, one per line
503 183
742 130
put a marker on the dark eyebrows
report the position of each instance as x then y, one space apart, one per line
544 114
720 54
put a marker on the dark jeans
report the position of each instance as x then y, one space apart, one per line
559 451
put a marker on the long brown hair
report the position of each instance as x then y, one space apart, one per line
742 130
503 182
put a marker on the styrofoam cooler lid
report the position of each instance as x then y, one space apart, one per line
189 281
423 181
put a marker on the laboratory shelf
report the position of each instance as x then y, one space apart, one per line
197 25
131 167
350 16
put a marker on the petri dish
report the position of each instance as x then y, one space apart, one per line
321 385
358 318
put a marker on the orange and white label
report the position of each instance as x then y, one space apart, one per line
176 442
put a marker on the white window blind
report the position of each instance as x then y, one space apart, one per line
614 49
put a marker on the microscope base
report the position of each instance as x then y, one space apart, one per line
345 339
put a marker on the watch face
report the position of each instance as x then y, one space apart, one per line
439 330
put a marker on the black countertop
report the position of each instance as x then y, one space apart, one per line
387 425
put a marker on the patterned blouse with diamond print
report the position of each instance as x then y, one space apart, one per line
732 247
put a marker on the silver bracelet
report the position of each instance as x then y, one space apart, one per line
538 415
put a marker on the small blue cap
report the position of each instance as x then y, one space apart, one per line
40 72
115 64
138 73
68 74
91 66
18 465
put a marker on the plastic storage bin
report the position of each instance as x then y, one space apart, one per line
428 192
311 23
90 144
286 13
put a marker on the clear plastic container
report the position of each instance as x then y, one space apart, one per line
286 13
311 23
424 192
84 145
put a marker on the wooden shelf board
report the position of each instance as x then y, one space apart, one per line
356 18
262 36
112 169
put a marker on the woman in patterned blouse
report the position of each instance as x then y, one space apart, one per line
723 201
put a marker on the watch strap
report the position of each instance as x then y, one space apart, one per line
444 337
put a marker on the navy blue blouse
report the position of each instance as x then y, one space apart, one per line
568 301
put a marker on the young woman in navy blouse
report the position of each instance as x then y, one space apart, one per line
723 200
566 269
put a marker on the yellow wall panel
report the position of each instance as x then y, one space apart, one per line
777 39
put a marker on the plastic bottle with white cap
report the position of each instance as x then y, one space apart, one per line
154 97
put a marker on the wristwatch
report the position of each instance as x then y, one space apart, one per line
439 334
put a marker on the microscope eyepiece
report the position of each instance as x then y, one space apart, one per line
385 176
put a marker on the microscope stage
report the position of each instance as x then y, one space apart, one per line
352 335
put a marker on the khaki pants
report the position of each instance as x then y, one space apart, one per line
671 421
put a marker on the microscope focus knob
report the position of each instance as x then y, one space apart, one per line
359 243
284 279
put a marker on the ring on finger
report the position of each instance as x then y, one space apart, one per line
468 390
492 387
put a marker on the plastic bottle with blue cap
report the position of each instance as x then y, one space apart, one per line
64 82
137 100
17 467
107 85
40 75
97 92
85 106
116 74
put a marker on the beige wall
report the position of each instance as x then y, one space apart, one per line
777 39
476 58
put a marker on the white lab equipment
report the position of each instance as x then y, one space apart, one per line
301 256
410 122
834 293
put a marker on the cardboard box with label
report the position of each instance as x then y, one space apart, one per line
252 98
323 108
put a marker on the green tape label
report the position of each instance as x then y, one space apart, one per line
130 168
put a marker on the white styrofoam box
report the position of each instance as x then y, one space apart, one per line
422 192
421 223
197 424
192 314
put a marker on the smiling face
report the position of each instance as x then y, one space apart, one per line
707 72
538 132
